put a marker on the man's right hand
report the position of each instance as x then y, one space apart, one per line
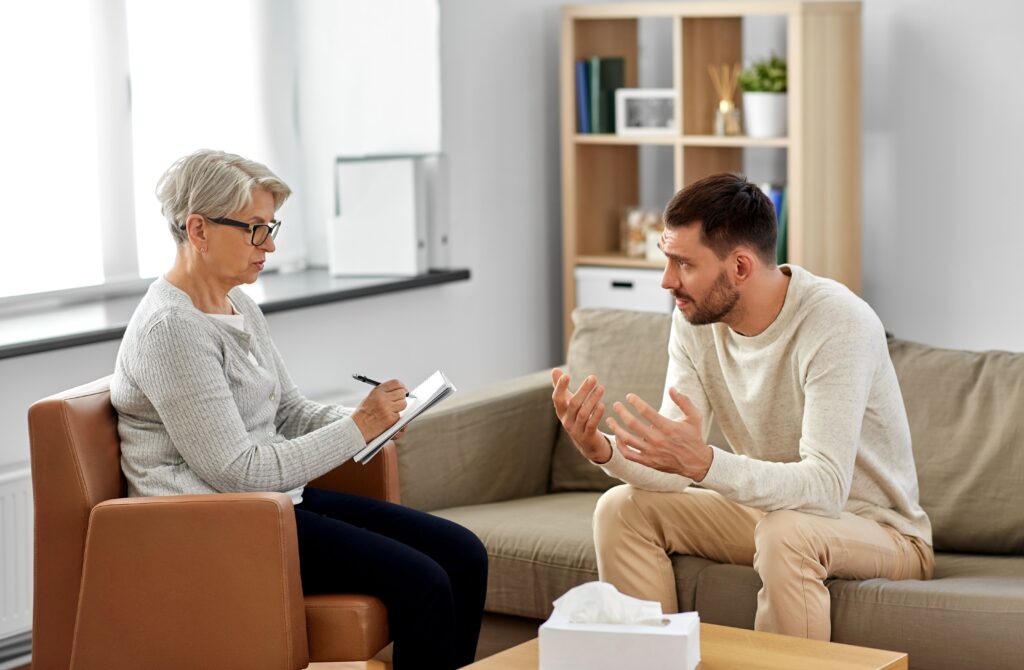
580 413
379 410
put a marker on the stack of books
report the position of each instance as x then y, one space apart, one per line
596 81
778 195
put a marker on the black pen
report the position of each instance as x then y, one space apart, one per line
371 382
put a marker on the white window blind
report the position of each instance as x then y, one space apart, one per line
369 84
48 140
195 84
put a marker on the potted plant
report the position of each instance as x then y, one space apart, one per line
764 97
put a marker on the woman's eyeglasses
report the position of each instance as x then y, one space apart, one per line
259 231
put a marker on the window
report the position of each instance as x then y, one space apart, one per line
101 97
195 84
49 148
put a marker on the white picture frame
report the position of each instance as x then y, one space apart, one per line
645 111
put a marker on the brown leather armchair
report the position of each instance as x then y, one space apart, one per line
200 581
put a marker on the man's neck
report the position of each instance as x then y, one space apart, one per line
761 303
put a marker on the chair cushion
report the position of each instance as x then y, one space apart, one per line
969 616
345 627
628 352
966 413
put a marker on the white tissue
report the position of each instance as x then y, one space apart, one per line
600 602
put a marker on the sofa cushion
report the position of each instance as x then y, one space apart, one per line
966 413
541 547
969 616
453 451
628 352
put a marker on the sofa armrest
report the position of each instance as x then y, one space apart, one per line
191 581
377 479
485 446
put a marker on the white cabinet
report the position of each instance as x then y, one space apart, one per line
622 288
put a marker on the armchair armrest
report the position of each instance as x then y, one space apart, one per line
191 581
490 445
377 479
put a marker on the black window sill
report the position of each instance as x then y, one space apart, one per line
103 320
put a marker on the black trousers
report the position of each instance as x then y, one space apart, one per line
430 573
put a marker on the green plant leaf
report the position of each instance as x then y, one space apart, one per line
765 75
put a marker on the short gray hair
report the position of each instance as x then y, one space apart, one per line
214 184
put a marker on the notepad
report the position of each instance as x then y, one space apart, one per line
432 391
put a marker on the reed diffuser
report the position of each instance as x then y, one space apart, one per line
727 117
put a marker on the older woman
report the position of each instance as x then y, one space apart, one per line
205 405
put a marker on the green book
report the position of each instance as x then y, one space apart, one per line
606 75
595 94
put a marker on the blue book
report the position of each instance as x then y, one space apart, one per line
782 255
582 97
775 193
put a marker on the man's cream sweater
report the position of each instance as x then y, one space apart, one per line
811 408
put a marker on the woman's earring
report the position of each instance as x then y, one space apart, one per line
202 250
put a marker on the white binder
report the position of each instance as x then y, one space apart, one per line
385 210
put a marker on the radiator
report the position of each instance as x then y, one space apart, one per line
15 552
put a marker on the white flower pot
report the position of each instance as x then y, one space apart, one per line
764 114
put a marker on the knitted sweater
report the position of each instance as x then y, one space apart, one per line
811 408
195 415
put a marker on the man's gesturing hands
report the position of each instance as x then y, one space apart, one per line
653 440
580 413
676 447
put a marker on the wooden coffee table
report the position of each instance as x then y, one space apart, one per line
724 648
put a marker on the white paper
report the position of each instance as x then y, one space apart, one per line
600 602
432 391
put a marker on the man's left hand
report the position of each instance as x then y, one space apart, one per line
676 447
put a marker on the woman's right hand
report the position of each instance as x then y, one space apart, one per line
379 410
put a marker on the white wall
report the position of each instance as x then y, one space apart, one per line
942 173
25 379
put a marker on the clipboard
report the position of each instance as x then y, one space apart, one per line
431 391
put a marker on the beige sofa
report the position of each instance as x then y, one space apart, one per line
497 462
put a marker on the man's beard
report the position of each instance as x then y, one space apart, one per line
720 301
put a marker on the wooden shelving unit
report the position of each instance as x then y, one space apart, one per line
600 173
613 260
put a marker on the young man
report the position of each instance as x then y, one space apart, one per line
820 481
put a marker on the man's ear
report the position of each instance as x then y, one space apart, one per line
744 262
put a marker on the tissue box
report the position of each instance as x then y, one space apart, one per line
605 646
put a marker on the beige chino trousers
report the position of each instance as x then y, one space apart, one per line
793 552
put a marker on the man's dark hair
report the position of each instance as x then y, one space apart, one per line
731 211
